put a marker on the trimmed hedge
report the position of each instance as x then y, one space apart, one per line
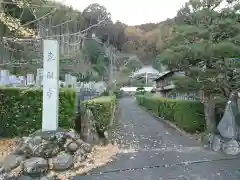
188 115
118 93
21 110
103 109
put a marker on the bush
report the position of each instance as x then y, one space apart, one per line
103 109
21 110
140 91
105 93
188 115
118 93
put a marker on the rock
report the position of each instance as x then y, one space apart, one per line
80 152
72 134
80 155
60 138
3 176
23 150
6 176
207 140
25 178
72 147
35 166
36 140
47 149
227 127
79 141
62 162
1 170
44 151
217 143
231 147
45 178
25 139
106 135
86 147
12 161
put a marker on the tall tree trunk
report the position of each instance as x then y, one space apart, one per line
209 112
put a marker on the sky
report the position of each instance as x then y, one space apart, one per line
134 12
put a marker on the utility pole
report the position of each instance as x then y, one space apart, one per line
110 57
110 51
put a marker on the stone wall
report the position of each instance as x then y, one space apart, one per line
45 152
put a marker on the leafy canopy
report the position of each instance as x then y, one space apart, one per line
205 45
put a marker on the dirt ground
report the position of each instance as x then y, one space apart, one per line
6 147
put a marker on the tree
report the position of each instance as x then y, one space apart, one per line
204 44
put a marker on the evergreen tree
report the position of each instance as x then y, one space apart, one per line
205 45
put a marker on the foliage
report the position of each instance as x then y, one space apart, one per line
105 93
103 109
140 90
187 115
204 45
118 92
21 110
61 19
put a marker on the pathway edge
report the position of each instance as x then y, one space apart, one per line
169 123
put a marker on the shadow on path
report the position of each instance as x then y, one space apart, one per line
152 150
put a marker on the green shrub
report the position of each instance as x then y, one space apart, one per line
105 93
187 115
103 109
118 93
140 91
21 110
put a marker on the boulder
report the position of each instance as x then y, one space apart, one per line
217 143
231 147
60 138
228 127
86 147
62 162
23 150
46 178
11 162
207 140
80 155
25 178
72 147
3 176
35 166
46 149
72 134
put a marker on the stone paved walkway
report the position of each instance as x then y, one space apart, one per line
152 150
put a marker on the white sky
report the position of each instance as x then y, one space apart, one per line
134 12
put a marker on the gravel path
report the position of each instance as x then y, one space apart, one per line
151 150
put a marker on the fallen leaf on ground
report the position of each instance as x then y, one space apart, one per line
6 147
99 157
